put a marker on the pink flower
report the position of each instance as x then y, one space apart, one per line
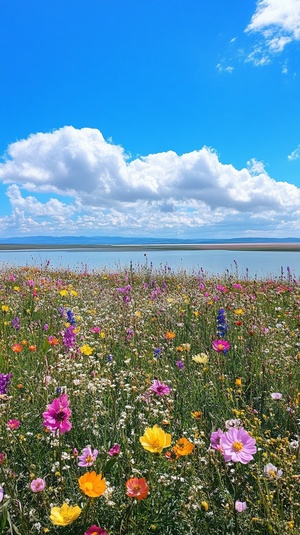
276 395
159 388
221 346
94 530
13 424
56 417
240 506
37 485
237 445
87 457
114 451
1 494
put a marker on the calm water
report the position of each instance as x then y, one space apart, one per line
252 263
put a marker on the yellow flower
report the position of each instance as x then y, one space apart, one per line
73 292
63 293
204 506
92 484
183 447
155 439
239 311
197 415
201 358
64 515
5 308
86 350
238 381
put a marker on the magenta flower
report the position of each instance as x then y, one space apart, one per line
37 485
56 417
95 530
240 506
1 494
159 388
87 457
237 445
114 451
13 424
221 346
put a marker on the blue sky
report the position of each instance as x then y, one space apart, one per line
150 118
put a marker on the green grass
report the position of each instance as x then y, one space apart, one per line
107 392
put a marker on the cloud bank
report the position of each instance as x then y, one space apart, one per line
278 22
93 187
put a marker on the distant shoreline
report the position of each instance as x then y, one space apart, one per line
293 247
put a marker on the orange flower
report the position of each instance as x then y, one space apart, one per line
183 447
52 341
137 488
32 348
92 484
16 348
170 335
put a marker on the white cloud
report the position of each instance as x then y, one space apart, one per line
278 22
295 155
158 193
223 68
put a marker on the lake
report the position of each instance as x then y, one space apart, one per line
258 264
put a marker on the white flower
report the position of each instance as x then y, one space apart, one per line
272 471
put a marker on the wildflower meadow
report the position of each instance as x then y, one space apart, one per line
142 401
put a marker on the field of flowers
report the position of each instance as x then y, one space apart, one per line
146 401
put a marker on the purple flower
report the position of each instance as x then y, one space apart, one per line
215 438
56 417
180 364
87 457
240 506
114 451
69 337
159 388
4 382
16 324
237 445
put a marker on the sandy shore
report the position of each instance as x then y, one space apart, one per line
158 247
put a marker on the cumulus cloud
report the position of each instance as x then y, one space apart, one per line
278 22
110 192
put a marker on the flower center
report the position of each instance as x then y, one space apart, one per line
272 473
136 488
60 416
237 446
89 459
220 347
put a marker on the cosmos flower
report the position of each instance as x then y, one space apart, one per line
240 506
276 395
56 417
237 445
160 389
37 485
155 439
183 447
92 484
87 457
272 471
95 530
13 424
221 346
137 488
64 515
114 450
215 438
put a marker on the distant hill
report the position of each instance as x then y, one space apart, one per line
121 240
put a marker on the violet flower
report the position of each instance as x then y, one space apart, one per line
161 389
237 445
